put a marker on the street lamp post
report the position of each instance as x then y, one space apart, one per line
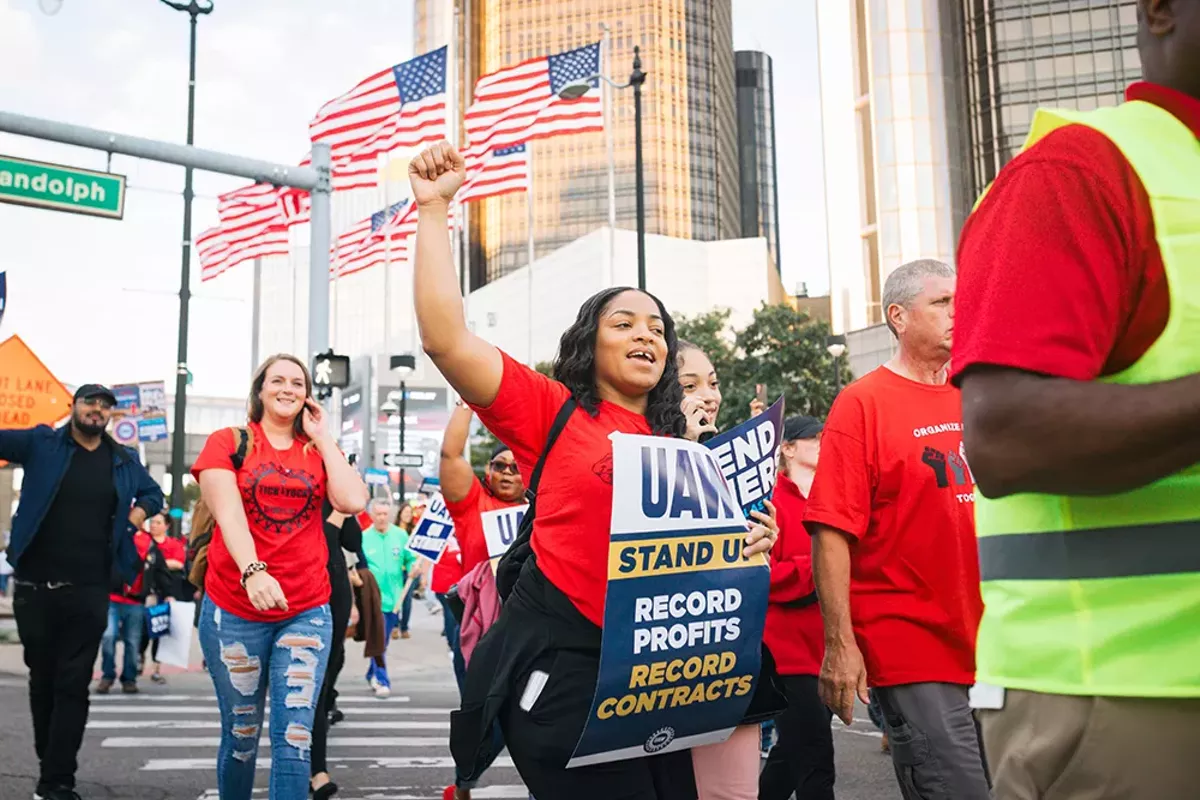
835 345
403 365
179 438
577 89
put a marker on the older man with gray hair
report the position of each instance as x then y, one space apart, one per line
894 556
391 562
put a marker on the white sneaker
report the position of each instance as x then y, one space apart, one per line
382 691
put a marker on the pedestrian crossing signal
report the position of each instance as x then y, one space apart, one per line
331 371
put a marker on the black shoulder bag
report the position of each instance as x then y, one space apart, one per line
509 568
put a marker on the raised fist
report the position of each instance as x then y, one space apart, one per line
436 174
936 460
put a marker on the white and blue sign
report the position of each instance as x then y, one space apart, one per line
684 611
129 398
152 430
125 430
158 620
433 532
376 477
748 455
500 528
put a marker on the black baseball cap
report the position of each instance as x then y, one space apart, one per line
90 390
801 427
500 447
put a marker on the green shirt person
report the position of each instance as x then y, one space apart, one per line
386 548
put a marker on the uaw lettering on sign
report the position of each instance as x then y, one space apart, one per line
500 528
684 611
434 530
748 455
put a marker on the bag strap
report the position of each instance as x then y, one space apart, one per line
239 457
556 427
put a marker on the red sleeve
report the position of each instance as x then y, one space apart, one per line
217 453
523 411
845 482
792 577
1049 265
469 503
142 541
174 550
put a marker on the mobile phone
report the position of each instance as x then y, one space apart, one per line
760 390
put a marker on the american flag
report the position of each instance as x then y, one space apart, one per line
218 252
400 107
367 243
503 170
521 103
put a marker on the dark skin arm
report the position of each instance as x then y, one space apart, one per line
456 475
1030 433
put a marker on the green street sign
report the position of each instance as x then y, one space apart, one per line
62 188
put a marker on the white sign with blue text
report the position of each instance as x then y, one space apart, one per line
747 455
433 532
500 528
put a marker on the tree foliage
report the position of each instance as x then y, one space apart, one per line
780 347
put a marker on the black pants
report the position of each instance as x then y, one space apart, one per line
339 606
60 630
802 759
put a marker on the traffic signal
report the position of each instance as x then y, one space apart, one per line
331 371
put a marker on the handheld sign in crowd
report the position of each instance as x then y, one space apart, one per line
748 455
684 612
433 532
500 528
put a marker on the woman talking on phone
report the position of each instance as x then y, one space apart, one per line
535 671
265 624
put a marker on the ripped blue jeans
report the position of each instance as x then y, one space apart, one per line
247 658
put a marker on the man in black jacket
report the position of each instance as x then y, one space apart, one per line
82 499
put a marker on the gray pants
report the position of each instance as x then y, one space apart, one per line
935 742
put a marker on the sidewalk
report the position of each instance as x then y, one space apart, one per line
425 652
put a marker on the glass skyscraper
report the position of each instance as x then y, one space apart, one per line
756 148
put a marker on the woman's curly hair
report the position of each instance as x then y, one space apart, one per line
575 366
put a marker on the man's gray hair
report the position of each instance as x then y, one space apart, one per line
906 282
376 502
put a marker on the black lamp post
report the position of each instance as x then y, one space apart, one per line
403 365
637 78
179 439
835 345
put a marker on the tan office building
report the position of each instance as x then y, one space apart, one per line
689 119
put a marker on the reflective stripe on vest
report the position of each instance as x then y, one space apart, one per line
1100 595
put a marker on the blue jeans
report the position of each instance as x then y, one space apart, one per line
377 667
125 622
406 607
450 628
245 658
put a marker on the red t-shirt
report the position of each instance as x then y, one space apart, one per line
795 636
468 528
893 477
449 568
574 511
141 540
282 493
1059 272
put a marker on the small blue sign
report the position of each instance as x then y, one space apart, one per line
748 455
431 535
376 477
152 430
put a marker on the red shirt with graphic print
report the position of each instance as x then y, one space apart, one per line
574 505
282 494
894 479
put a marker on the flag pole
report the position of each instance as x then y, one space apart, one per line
607 98
387 254
532 247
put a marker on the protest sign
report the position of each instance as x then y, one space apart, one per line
431 536
500 528
684 611
748 455
433 530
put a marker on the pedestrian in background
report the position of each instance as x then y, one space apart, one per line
385 547
894 551
83 498
266 627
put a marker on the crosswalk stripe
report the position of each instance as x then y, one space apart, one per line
208 724
500 792
143 742
212 709
371 762
205 698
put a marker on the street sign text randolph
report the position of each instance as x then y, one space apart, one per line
62 188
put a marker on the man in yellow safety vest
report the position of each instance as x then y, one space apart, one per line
1077 348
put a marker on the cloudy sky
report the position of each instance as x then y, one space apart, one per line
97 299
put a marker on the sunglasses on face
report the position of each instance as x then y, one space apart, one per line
102 402
509 467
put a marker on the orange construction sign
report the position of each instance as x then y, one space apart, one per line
29 393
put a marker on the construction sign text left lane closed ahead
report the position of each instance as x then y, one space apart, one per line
29 393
